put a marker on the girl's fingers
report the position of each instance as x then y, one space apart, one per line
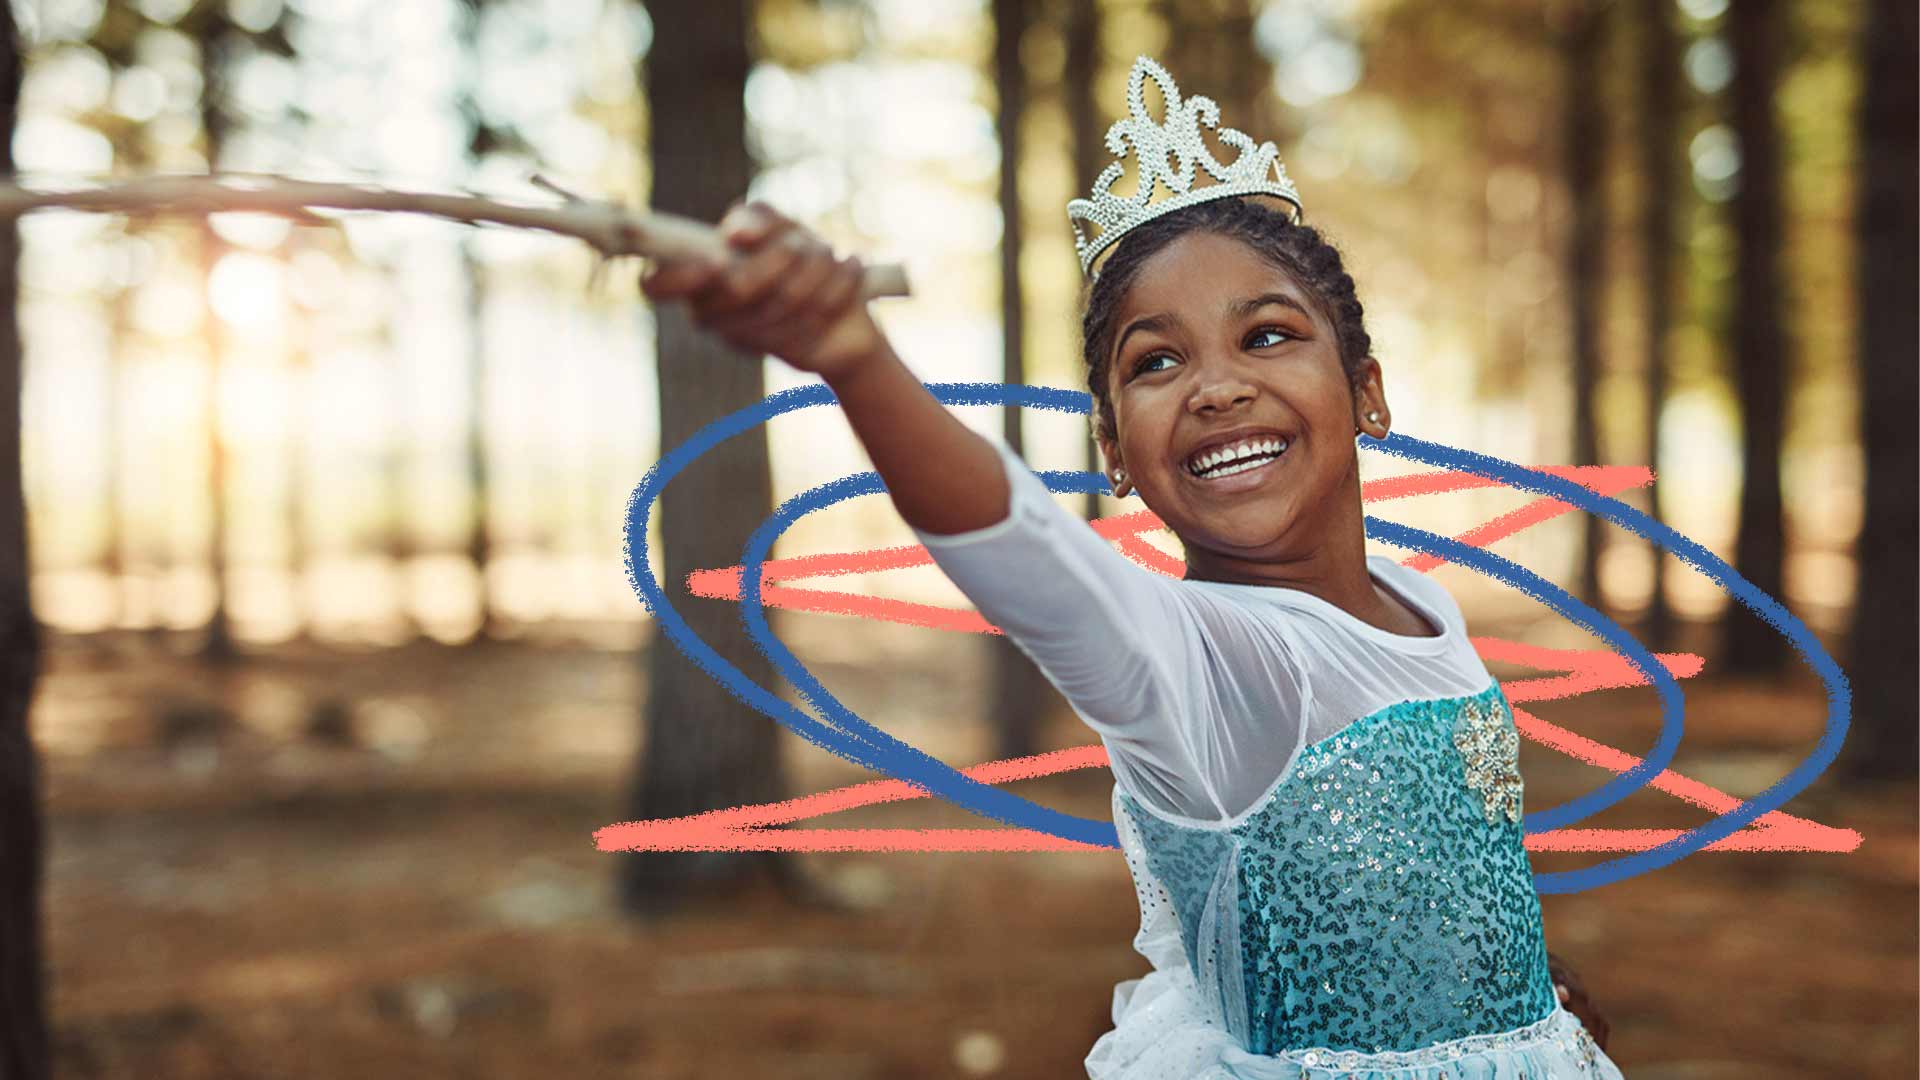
846 286
669 278
794 293
780 290
748 224
744 227
747 281
841 287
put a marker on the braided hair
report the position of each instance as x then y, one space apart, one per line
1298 250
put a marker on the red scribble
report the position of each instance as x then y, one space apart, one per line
1573 672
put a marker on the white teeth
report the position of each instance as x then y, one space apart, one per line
1234 453
1240 468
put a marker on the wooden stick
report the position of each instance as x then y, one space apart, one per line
610 228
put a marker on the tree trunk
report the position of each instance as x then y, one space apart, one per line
1752 646
301 442
1585 149
1659 102
23 1014
130 157
1189 41
1887 233
701 748
482 138
397 538
1082 72
1243 74
479 538
210 30
1021 694
113 541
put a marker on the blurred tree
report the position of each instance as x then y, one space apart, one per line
303 444
1582 33
1082 72
1489 141
23 1015
1021 693
1242 73
484 138
1887 235
220 41
116 37
701 748
1754 29
1659 95
130 157
395 536
212 31
1186 52
112 39
1211 52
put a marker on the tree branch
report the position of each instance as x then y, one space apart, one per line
612 229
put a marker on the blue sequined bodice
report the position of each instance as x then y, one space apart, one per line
1379 898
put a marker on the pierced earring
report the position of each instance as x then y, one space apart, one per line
1119 477
1373 416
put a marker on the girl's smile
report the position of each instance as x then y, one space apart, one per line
1239 461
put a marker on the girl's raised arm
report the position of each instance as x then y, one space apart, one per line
784 292
1122 643
941 475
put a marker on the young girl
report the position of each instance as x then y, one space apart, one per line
1315 782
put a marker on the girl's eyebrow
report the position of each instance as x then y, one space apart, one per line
1159 323
1240 309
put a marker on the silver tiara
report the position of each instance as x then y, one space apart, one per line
1153 144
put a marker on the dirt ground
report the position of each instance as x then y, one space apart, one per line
327 863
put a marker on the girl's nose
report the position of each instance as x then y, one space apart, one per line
1221 392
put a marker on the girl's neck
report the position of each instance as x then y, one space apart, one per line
1335 572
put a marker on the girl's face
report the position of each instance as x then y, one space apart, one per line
1217 348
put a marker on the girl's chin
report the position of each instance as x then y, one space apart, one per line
1246 535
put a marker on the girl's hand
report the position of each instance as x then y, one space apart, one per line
1573 995
782 292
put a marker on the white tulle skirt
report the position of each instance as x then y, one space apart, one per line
1162 1032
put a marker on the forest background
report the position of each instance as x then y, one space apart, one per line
322 660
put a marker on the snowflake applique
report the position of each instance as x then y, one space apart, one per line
1490 746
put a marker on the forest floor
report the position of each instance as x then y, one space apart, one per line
330 863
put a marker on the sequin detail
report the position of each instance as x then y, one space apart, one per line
1490 746
1371 906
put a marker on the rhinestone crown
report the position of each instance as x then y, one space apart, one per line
1154 144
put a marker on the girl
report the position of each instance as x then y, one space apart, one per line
1315 775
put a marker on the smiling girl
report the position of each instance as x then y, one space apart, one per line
1315 776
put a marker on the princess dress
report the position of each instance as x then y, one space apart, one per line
1373 915
1371 911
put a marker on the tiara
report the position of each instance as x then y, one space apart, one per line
1153 144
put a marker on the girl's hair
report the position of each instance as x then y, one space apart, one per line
1298 250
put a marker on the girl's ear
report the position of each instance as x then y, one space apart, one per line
1370 413
1116 468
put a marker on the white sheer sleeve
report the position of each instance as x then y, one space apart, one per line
1106 631
1162 674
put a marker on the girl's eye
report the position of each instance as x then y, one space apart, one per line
1274 330
1141 367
